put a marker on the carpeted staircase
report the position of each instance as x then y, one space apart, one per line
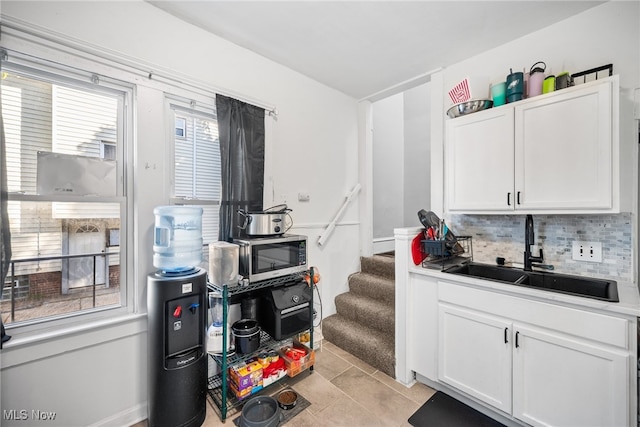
364 324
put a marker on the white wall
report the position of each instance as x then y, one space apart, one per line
99 375
401 162
388 165
417 153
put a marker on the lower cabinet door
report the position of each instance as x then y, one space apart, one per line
475 354
560 381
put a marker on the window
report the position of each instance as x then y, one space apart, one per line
107 150
196 168
181 127
65 146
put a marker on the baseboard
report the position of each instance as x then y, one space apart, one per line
128 417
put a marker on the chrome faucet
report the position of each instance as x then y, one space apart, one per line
529 239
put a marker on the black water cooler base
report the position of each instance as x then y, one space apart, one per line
177 357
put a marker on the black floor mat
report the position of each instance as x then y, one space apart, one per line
443 410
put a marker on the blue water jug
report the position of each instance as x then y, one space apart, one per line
177 244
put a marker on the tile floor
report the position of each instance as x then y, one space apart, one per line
345 391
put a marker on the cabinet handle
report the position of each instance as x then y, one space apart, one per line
508 199
506 339
518 197
517 344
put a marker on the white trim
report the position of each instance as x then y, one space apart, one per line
383 245
402 86
128 417
437 145
21 197
403 237
365 176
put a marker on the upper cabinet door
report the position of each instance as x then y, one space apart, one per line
480 161
564 150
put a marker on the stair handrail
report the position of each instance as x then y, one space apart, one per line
322 239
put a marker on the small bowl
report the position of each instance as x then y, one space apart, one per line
287 399
469 107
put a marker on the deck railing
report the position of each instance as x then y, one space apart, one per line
13 282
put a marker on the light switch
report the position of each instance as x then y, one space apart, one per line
303 197
587 251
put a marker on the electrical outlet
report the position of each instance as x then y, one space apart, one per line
587 251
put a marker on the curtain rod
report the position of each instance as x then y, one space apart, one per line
28 31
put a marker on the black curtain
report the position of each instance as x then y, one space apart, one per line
5 235
241 132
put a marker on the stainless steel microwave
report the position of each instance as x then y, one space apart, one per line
263 258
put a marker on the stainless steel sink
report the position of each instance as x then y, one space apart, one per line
605 290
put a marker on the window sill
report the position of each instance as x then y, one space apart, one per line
23 197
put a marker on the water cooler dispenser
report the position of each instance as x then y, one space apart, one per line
177 317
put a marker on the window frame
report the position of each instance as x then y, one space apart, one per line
54 72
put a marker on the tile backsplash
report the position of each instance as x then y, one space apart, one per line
503 236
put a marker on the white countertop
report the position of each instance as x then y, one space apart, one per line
627 292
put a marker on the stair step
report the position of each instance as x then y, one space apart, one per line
373 286
368 311
373 347
384 266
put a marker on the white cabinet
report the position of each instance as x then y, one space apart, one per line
514 355
558 381
555 153
480 166
475 355
563 150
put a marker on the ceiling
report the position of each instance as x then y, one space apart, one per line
367 49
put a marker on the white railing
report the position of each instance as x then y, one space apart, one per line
332 225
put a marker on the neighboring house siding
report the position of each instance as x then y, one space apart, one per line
26 110
41 117
82 121
35 235
210 220
85 210
208 155
197 170
184 166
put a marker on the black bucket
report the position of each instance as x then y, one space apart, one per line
247 335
